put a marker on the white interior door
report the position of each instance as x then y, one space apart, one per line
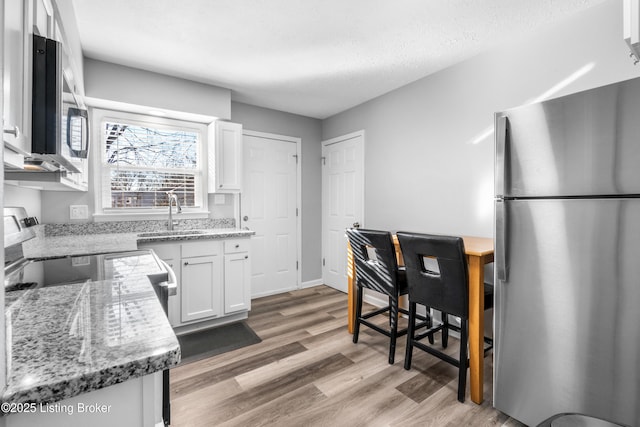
342 202
269 206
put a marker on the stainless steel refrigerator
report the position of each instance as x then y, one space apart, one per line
567 259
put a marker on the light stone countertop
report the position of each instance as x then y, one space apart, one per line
43 247
66 340
60 339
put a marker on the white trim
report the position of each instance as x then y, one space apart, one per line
375 298
298 142
346 137
331 141
279 291
311 283
96 160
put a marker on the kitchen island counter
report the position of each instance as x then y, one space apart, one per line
66 340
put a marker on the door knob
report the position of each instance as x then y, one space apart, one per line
356 225
245 218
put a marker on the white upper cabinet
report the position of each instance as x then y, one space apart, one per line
225 157
17 81
23 19
43 21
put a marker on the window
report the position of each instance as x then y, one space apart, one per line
142 158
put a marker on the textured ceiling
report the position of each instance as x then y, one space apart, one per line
315 57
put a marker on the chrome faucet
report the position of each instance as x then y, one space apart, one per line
172 197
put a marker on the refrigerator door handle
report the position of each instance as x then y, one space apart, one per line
501 129
502 268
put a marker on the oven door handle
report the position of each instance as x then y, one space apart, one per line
172 283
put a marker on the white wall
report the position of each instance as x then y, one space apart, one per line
309 130
426 167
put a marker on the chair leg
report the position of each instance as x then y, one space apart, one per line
410 335
445 330
356 327
462 370
393 328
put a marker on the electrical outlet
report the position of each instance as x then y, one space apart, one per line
78 212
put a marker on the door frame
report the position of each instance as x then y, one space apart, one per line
331 141
298 142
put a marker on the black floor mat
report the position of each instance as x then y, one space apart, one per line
211 342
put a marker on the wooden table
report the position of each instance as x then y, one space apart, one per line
479 251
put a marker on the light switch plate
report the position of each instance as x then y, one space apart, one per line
78 212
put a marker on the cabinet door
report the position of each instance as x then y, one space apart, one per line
17 79
201 287
43 21
227 159
237 285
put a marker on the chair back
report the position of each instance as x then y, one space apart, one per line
375 259
437 272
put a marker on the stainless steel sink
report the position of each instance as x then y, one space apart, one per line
169 233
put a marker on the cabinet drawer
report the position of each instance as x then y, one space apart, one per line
204 248
236 245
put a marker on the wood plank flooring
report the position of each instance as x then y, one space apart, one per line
307 372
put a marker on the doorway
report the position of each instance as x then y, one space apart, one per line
269 205
342 202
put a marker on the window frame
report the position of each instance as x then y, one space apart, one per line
98 161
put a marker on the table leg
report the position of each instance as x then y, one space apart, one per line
351 274
476 327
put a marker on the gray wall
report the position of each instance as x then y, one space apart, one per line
26 197
112 82
309 130
427 167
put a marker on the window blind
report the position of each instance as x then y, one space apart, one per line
141 163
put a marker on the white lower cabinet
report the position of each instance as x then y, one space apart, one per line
213 279
201 287
237 289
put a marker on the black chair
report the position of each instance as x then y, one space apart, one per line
376 268
438 278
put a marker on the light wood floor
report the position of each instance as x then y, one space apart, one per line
307 372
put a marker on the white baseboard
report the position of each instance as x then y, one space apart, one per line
375 298
311 283
274 292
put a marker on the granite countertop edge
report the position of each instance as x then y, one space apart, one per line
85 383
205 235
44 246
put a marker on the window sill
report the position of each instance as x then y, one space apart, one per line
136 216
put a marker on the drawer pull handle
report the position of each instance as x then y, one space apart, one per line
237 246
186 263
246 257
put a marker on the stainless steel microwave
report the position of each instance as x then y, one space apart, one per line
60 128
